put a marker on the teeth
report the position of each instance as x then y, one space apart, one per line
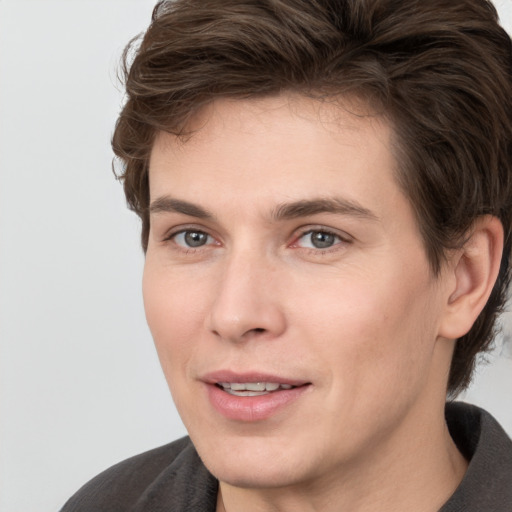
246 393
248 386
252 388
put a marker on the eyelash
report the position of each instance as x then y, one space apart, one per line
340 240
171 237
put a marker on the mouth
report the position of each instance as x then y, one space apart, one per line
252 388
254 396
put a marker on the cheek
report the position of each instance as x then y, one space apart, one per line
173 313
372 332
174 319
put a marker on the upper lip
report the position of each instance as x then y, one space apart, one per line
252 376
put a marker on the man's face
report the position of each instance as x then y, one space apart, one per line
288 292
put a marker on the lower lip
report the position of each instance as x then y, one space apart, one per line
252 408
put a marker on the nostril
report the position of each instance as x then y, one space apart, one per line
258 329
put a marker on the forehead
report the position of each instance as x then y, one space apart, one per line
284 142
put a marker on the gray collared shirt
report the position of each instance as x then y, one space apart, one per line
172 478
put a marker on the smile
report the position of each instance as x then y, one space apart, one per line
252 388
252 397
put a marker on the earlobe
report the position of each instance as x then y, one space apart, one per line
475 270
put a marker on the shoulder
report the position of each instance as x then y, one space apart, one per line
152 480
487 484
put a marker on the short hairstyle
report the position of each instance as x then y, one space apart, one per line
440 72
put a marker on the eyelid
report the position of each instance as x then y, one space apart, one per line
180 228
342 235
177 230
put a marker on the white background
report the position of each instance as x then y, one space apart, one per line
80 384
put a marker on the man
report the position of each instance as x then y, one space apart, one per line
325 191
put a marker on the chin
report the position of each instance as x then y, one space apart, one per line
255 476
253 464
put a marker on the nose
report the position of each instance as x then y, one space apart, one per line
247 301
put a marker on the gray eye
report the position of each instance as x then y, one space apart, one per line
318 240
192 239
322 240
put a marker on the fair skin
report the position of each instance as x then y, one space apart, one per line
282 250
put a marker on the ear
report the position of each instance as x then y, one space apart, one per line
475 269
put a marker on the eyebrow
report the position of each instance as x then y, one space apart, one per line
166 204
336 205
285 211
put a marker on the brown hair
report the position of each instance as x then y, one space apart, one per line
439 71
